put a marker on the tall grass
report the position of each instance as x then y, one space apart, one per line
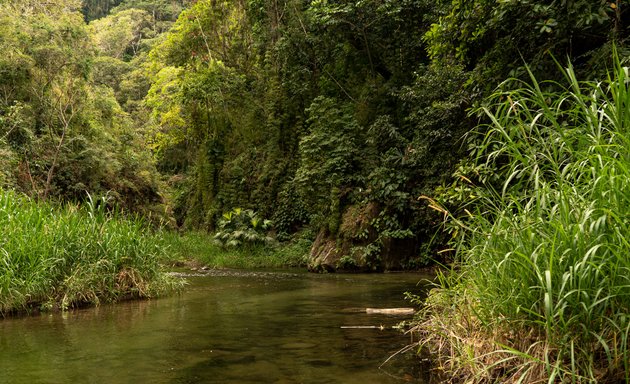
61 257
543 294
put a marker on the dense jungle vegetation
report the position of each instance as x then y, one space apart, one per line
328 118
381 134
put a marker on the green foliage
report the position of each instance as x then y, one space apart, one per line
8 162
544 247
347 263
108 71
63 130
163 12
242 227
291 213
489 36
329 157
298 111
208 31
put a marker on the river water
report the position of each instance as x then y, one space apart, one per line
225 327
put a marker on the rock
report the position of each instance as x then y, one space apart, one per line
324 254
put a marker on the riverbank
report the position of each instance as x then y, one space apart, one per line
542 290
199 249
59 257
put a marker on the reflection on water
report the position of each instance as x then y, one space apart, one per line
236 327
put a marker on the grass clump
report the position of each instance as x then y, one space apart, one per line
203 249
63 257
542 293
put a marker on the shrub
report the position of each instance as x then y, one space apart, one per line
238 227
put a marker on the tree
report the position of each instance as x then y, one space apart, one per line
64 131
123 34
66 103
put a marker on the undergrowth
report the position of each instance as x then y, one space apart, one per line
542 290
202 248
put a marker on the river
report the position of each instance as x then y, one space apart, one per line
225 327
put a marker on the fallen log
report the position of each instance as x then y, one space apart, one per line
391 311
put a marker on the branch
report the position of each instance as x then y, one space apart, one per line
66 119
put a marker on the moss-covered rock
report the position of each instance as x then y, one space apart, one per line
357 246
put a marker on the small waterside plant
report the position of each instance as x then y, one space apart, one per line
70 256
542 290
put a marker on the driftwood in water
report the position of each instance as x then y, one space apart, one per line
390 311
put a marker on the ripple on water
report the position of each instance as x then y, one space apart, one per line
298 346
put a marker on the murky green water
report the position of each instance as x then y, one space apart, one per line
234 327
